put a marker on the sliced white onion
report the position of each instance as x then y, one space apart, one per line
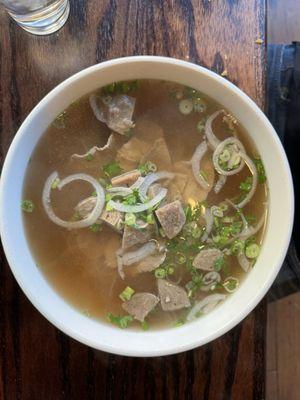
251 166
220 183
196 161
119 191
252 230
241 214
219 149
244 262
94 106
209 221
133 257
205 305
212 139
137 183
91 218
151 178
138 207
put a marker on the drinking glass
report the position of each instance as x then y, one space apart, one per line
39 17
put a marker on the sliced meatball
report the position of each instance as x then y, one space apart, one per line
140 305
172 218
126 179
206 259
172 297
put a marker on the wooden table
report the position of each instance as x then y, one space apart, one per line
38 362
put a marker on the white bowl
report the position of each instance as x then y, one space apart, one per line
169 340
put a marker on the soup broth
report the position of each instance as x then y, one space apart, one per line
217 221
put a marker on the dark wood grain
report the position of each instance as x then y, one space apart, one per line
39 362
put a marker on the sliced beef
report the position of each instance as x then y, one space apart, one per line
172 297
133 236
140 305
152 262
114 219
192 190
172 218
130 154
115 111
126 179
206 259
158 154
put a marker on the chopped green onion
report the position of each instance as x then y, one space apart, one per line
219 263
180 258
121 321
112 169
252 250
55 183
145 325
130 219
227 220
261 174
199 105
150 219
223 206
27 206
89 157
201 125
170 270
95 228
160 273
179 323
126 294
186 106
237 247
94 194
246 185
224 156
230 284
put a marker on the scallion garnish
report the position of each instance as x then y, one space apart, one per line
127 293
27 206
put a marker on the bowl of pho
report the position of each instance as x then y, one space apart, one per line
146 206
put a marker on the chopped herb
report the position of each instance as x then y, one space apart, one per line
55 183
237 247
145 325
251 219
179 323
150 219
121 321
252 250
160 273
112 169
246 185
147 168
89 157
170 270
27 206
219 263
126 294
94 194
108 207
132 198
199 105
260 170
95 228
